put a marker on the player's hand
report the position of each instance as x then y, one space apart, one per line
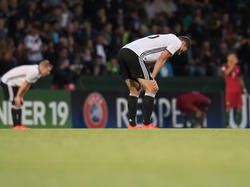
18 101
198 113
155 85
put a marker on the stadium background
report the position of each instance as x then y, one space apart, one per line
82 38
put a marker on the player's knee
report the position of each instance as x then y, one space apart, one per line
152 90
135 91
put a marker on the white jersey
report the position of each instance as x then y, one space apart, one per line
150 48
17 75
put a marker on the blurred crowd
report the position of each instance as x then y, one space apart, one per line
83 37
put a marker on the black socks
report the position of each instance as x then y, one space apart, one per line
132 109
16 116
148 104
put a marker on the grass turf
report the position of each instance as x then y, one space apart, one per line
122 157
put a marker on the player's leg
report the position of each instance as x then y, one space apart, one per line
203 117
238 115
195 112
134 93
128 62
16 111
9 95
196 118
228 108
185 120
151 88
229 99
204 108
238 105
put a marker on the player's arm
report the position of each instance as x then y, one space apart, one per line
243 86
160 62
20 93
229 69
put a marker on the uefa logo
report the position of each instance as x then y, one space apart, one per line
95 111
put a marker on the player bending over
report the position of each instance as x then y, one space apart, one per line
193 104
135 59
16 83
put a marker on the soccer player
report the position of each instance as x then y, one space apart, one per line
193 104
16 83
135 59
234 85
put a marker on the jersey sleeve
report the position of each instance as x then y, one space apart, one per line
32 77
174 47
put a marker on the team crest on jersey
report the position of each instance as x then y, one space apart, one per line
95 111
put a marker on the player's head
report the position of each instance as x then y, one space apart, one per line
186 44
232 58
45 67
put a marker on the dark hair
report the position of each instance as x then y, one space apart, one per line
231 53
187 40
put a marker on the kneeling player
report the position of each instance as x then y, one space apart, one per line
193 104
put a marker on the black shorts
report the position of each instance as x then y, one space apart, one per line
9 92
131 66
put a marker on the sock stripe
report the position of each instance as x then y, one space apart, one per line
150 95
132 95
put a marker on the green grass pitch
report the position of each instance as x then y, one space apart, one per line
125 158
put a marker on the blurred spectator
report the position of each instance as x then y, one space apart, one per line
119 38
7 62
98 67
50 53
63 76
88 32
118 19
56 31
51 3
3 29
206 58
87 56
100 19
66 15
21 54
33 43
19 31
244 55
100 48
221 55
33 12
112 66
7 46
63 26
78 13
4 11
107 33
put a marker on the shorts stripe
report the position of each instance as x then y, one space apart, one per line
145 53
144 69
11 93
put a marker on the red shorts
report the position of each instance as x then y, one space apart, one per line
233 99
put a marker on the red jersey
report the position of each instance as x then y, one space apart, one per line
232 79
191 102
